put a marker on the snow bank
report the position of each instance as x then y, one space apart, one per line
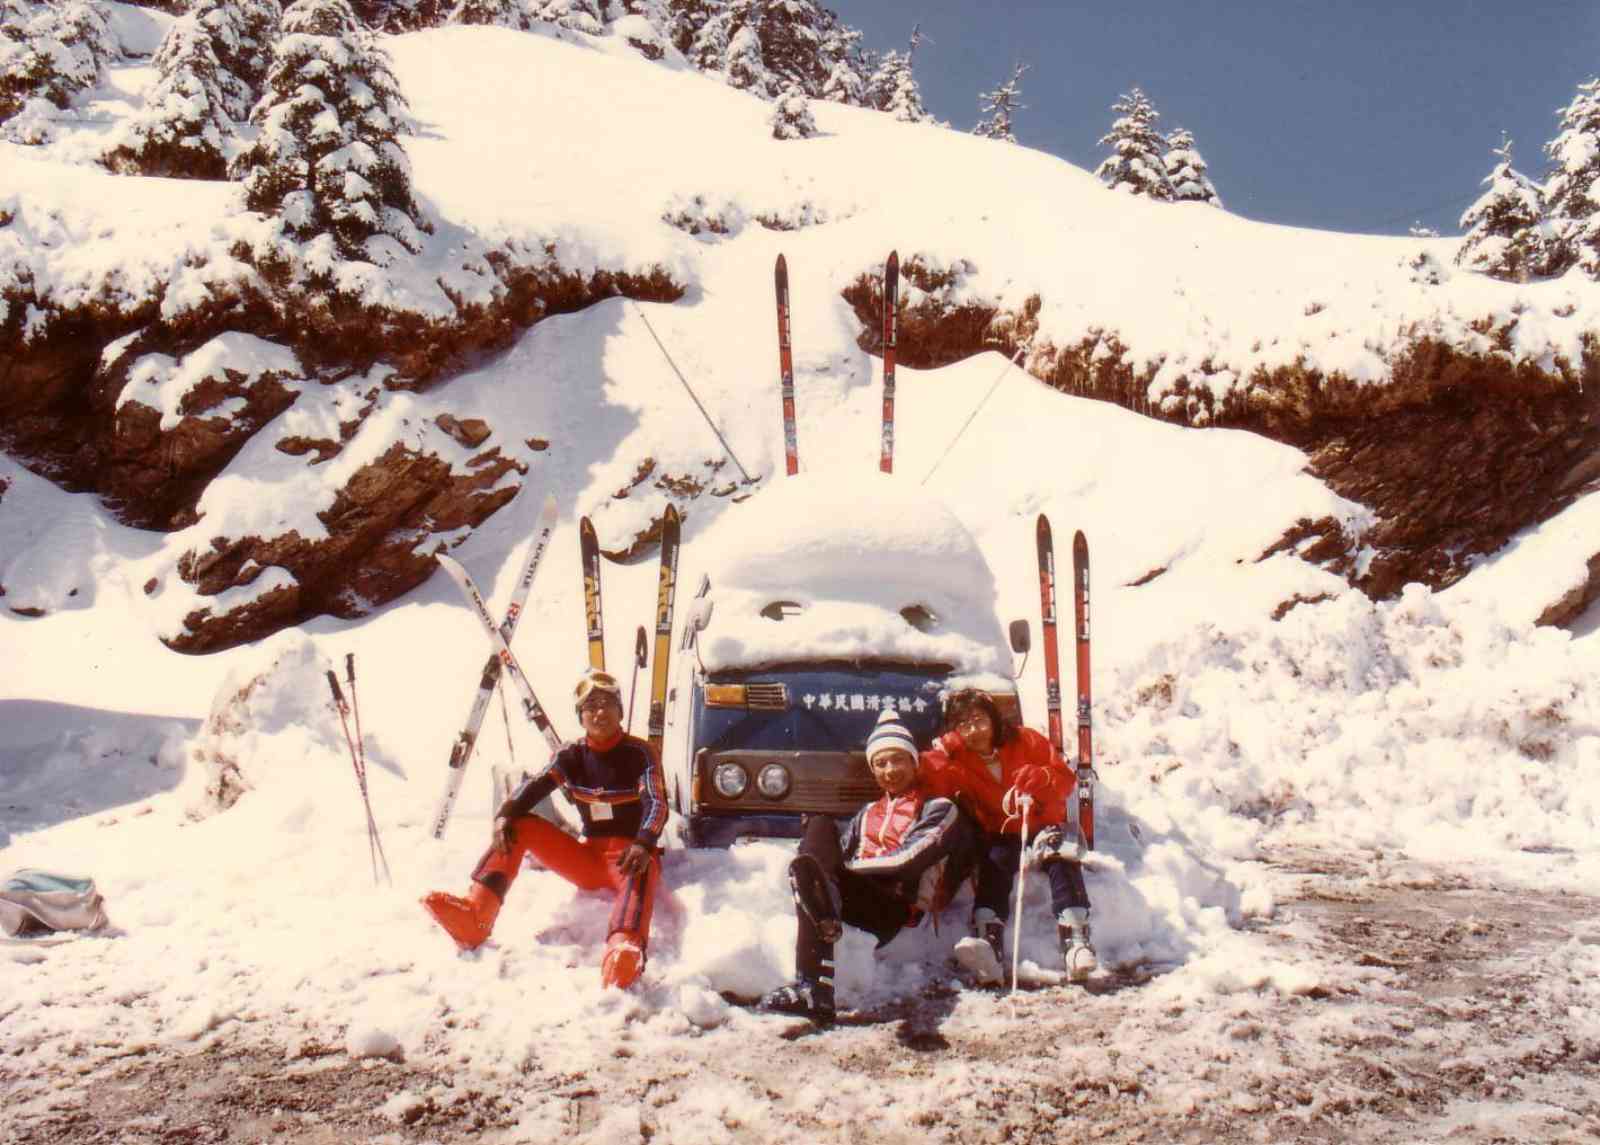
853 553
1415 725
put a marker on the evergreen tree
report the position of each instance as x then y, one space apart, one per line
840 57
1135 165
184 127
51 51
744 67
327 161
1569 203
492 13
574 15
791 117
1505 228
1000 106
1186 171
241 33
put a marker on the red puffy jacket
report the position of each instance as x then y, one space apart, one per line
955 771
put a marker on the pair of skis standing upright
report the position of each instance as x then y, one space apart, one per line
1046 547
502 661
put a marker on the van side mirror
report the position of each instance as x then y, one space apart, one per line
700 614
1021 638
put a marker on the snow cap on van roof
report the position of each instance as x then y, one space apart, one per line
848 567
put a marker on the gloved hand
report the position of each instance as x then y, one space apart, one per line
504 833
1034 781
950 743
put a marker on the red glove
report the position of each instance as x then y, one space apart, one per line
1034 780
950 743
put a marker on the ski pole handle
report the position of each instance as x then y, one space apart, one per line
338 692
350 669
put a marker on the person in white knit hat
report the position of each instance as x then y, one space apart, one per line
898 858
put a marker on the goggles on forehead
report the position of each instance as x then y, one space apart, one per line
592 681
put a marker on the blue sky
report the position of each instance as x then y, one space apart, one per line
1346 115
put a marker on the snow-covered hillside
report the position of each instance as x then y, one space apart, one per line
1440 725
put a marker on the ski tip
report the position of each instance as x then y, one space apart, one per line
894 260
781 266
1080 542
1043 525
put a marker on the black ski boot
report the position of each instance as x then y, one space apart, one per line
804 996
814 896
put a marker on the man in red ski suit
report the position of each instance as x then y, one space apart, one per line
987 767
615 781
899 856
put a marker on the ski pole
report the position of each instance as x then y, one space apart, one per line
361 779
1004 370
1024 802
748 480
361 747
641 647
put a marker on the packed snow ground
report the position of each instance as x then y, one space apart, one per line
1438 725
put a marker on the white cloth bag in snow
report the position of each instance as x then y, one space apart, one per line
31 901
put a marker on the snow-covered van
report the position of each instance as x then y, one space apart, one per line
821 601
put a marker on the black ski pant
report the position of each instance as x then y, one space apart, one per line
998 857
871 904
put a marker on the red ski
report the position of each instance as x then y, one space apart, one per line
791 444
1047 622
1080 613
891 305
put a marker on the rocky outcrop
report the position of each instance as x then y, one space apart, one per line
380 543
1455 454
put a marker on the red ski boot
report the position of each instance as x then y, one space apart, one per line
467 920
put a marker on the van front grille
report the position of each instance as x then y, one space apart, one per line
766 697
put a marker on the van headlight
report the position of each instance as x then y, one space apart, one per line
773 781
730 780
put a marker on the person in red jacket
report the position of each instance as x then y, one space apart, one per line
988 767
615 781
898 858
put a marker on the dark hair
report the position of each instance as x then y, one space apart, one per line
958 704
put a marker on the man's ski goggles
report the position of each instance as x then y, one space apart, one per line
593 681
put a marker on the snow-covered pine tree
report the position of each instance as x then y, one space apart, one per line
574 15
791 116
745 69
893 86
1570 208
492 13
401 15
841 57
182 130
327 162
1000 107
1135 165
1505 228
1186 170
51 51
242 32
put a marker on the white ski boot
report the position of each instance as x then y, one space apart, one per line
1077 954
982 955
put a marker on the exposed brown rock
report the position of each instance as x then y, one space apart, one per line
1576 602
470 432
1455 455
379 527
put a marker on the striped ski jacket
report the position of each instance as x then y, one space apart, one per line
618 791
908 840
